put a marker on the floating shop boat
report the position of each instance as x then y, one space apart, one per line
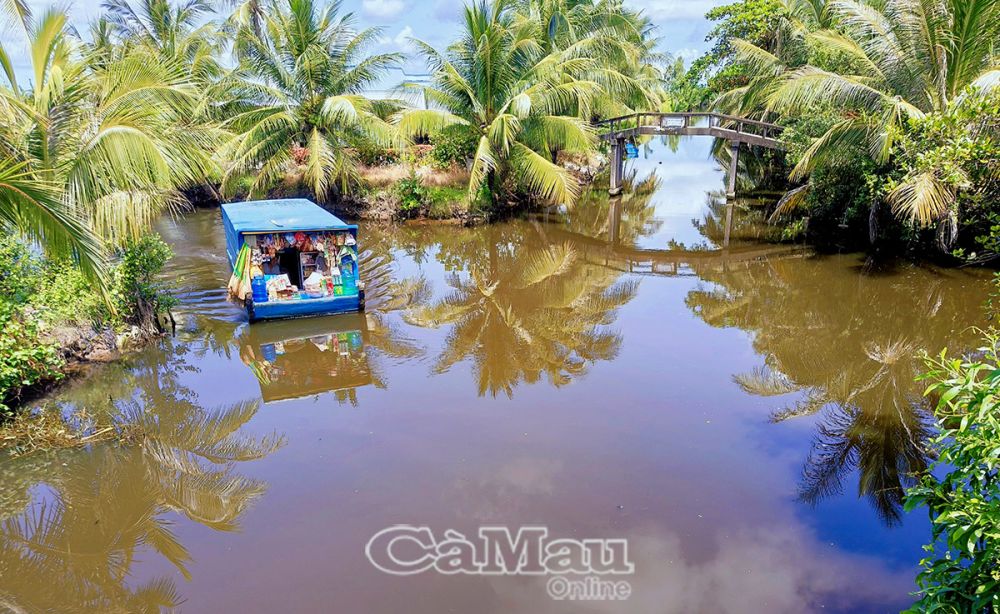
291 258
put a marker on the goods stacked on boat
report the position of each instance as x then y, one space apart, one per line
299 265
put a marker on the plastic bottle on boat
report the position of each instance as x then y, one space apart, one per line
258 288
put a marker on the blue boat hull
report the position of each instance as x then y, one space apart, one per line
276 310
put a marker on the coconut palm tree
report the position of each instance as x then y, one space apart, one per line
117 140
247 14
304 73
177 32
30 207
621 41
93 150
900 60
520 101
156 23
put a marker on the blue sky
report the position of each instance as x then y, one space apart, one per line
681 23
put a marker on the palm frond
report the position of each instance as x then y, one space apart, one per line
32 207
922 198
789 202
550 181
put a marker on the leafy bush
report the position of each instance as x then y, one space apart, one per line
839 201
19 272
412 194
444 200
373 154
961 149
65 295
138 294
453 146
751 20
961 572
24 359
34 290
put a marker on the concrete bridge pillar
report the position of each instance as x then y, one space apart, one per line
734 149
617 166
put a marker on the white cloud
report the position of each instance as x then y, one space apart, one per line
687 54
400 42
385 9
449 10
676 9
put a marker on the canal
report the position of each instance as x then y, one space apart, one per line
747 420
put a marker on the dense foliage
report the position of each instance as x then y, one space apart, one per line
755 21
527 92
891 107
24 360
38 295
301 76
962 490
453 145
139 295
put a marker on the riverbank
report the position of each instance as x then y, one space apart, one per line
54 321
395 187
74 351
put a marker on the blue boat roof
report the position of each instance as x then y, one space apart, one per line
280 215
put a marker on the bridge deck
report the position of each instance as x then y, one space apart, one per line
718 125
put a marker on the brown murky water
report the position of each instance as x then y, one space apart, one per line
745 419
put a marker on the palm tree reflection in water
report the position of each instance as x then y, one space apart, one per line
71 532
847 342
522 308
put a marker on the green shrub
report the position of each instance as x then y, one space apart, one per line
444 200
453 146
138 293
961 492
373 154
24 359
34 290
239 186
961 148
412 194
20 272
842 192
65 295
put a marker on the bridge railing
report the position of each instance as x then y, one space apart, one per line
666 123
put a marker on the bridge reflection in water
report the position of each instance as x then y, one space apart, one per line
735 130
610 231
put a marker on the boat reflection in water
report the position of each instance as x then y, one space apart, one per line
299 358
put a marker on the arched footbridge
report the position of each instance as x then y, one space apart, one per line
734 129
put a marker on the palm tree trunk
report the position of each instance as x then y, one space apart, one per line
873 223
947 232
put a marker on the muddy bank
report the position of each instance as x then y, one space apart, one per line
81 348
